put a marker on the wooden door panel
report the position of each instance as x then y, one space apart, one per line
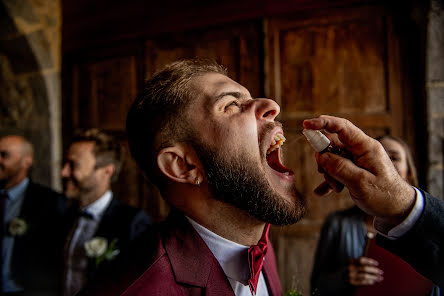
106 89
113 87
342 63
296 262
237 47
330 68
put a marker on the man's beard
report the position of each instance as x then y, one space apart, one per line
237 180
79 188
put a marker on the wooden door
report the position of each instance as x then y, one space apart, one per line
342 63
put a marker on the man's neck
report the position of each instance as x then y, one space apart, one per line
229 222
12 182
88 198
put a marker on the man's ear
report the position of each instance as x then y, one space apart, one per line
109 170
180 163
27 161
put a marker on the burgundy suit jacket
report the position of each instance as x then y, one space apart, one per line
180 264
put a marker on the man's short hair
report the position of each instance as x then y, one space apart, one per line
157 119
107 150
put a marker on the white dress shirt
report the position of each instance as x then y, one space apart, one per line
76 265
233 258
409 221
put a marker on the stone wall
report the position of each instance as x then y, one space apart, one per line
30 95
435 98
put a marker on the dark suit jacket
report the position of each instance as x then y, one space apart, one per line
423 246
119 221
35 260
174 260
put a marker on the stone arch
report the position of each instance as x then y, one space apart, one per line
30 80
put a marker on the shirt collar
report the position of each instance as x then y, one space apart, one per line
18 190
232 257
97 208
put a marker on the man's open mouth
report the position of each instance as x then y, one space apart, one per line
273 156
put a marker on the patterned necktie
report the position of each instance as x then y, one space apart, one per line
256 255
76 260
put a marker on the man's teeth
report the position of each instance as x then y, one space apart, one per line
277 142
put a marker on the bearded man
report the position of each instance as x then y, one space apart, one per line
96 218
213 152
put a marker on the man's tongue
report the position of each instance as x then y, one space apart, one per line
275 163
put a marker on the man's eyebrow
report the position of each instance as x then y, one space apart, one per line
236 94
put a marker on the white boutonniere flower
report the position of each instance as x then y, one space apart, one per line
98 248
17 226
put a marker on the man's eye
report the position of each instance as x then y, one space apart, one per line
232 104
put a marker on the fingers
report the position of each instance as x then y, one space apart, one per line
364 271
333 183
349 134
365 261
343 169
323 189
365 279
327 186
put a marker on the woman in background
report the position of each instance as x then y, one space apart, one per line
341 264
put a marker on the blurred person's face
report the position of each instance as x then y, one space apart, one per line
14 164
81 179
398 156
233 134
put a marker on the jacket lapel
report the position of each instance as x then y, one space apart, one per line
105 229
106 225
191 260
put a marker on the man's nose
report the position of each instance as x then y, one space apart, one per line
266 109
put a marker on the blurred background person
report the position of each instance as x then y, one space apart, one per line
347 260
98 225
31 215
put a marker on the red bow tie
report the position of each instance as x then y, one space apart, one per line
256 255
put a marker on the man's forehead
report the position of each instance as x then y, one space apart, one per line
11 143
212 85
